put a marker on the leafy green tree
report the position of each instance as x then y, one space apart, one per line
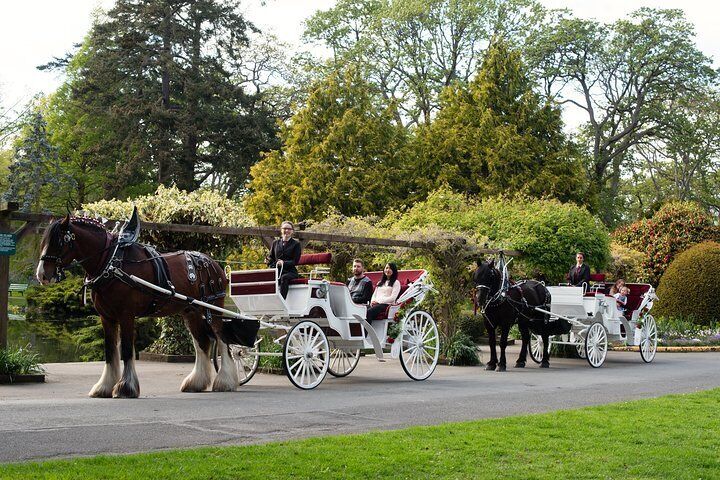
623 76
413 49
497 136
341 151
35 177
161 79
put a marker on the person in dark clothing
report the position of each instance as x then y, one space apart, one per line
284 255
360 285
580 273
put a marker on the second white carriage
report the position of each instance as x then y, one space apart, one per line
595 321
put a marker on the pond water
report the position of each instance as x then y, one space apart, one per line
51 349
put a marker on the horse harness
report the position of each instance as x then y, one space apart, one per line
196 263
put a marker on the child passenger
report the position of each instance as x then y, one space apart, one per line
621 298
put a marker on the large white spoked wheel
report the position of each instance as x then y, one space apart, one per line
648 339
579 344
419 345
246 361
343 362
596 345
306 355
536 348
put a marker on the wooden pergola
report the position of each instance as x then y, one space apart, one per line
34 221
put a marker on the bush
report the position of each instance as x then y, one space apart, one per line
21 361
460 350
627 264
171 205
673 229
548 232
174 338
59 301
472 326
688 289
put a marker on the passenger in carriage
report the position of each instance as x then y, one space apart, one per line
284 255
361 289
621 299
580 272
386 292
619 283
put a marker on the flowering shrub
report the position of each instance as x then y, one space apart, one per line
688 289
171 205
673 229
679 331
627 264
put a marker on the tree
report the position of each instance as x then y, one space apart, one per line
623 76
412 50
161 76
341 151
497 136
680 162
35 174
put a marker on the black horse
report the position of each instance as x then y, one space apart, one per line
503 304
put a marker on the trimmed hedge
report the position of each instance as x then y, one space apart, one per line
688 289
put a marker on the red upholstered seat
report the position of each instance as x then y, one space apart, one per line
315 258
405 277
597 277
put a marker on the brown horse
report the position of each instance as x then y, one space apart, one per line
118 302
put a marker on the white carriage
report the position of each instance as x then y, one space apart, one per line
322 331
596 322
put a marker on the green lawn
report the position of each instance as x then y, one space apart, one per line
677 436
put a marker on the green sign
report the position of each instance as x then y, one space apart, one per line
7 243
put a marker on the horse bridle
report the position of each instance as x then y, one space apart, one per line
491 298
63 238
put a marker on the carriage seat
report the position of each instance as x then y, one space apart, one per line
313 259
637 290
405 277
597 284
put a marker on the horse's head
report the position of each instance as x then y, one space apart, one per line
58 251
486 278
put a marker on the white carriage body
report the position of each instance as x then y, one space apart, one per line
327 308
595 320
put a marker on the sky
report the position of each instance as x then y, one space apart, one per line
32 32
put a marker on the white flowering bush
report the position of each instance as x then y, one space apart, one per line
172 205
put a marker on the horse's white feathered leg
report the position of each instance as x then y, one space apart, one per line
227 378
199 378
129 385
111 373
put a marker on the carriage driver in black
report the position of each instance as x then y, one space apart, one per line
580 273
284 255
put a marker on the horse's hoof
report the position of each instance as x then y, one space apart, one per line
126 390
100 391
490 367
545 365
519 364
501 368
222 387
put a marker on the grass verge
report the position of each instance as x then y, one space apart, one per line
676 436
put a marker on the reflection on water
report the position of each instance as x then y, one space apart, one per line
51 349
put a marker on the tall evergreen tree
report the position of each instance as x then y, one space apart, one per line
161 75
342 151
496 136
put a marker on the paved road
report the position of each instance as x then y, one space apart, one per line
57 419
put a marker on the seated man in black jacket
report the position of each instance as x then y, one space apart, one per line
361 288
284 255
580 273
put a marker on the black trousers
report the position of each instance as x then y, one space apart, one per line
375 311
284 281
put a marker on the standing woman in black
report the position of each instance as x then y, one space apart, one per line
285 255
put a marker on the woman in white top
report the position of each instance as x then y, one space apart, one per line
385 294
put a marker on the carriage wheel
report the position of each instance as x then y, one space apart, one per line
536 348
596 345
648 339
343 362
246 361
419 345
306 355
579 344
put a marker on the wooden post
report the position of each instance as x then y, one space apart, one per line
5 209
